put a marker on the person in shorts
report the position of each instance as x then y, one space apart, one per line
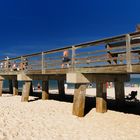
65 59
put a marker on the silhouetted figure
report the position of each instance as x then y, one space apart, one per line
132 95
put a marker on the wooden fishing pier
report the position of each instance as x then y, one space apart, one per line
100 61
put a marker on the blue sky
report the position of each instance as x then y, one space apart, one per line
29 26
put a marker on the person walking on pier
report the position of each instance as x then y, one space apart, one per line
65 59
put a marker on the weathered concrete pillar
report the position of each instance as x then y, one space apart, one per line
1 85
26 91
119 93
45 90
15 87
101 103
10 87
61 88
79 100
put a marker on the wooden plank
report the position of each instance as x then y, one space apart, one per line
101 103
128 53
45 90
102 69
1 86
79 100
15 87
73 57
134 42
103 78
119 68
42 63
26 91
123 52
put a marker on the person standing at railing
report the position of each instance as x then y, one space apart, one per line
24 64
1 65
14 67
7 63
65 59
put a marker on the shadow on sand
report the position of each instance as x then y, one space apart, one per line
129 107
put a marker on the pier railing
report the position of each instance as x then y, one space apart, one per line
119 50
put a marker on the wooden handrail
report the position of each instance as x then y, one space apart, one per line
98 55
82 45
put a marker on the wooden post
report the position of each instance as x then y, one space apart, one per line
10 87
128 53
45 90
79 100
73 57
26 91
1 85
101 103
61 88
42 63
119 93
15 87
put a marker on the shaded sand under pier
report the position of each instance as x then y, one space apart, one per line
52 119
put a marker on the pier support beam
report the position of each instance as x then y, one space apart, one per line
10 87
79 100
45 90
26 91
119 93
15 87
31 88
61 88
1 85
101 102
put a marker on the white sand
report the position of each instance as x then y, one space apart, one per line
53 120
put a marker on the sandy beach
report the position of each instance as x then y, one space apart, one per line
53 120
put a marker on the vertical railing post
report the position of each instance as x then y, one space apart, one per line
21 58
42 63
21 63
7 62
73 57
128 53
